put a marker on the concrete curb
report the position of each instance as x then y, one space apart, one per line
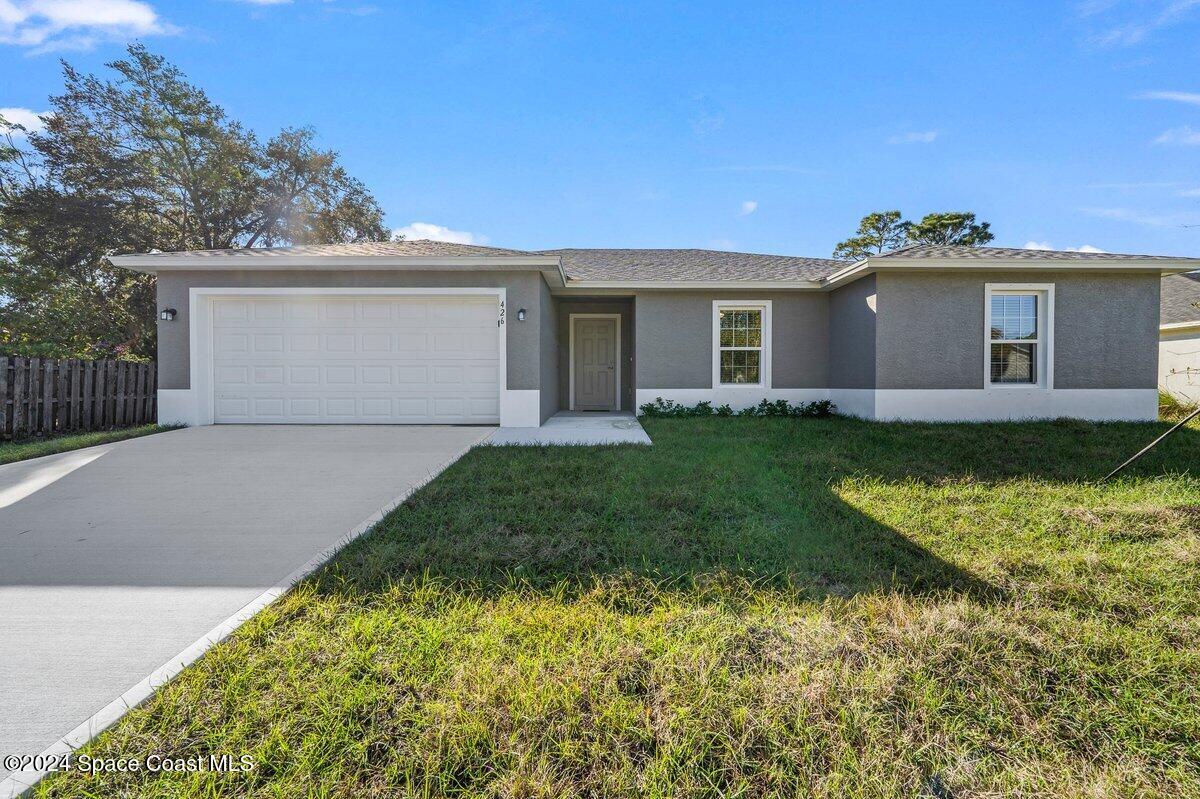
19 782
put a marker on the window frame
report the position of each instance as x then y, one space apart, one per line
764 363
1044 349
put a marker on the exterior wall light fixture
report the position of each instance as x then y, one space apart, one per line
521 315
167 314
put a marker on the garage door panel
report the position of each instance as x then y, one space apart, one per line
342 360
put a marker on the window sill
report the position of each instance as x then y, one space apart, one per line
1015 387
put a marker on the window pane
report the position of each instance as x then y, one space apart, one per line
740 366
1014 316
726 320
1014 363
726 336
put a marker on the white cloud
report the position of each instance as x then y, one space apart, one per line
914 137
1149 184
426 230
1045 245
45 25
1138 19
748 207
1190 193
1191 98
1172 219
1183 135
264 2
30 120
722 244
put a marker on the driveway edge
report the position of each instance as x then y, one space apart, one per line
19 782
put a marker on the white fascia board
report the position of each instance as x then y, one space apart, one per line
1176 326
868 266
684 285
153 263
549 265
1166 267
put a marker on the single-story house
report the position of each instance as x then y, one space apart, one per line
433 332
1179 337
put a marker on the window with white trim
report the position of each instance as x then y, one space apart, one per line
1018 337
742 338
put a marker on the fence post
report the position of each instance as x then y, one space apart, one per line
89 393
122 386
61 409
31 396
75 393
4 413
152 388
18 415
143 392
111 384
48 396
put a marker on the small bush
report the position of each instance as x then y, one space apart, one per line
669 409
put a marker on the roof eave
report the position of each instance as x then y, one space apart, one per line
550 266
694 284
892 263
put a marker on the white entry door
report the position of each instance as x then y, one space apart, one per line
356 360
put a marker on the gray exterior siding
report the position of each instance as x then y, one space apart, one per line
622 306
674 334
926 331
524 290
549 349
852 325
930 329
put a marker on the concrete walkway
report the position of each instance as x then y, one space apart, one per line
576 427
115 558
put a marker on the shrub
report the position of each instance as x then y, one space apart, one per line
669 409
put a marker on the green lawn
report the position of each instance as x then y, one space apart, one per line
12 451
752 607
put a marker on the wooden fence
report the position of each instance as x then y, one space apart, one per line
47 396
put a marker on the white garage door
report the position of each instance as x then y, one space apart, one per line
356 360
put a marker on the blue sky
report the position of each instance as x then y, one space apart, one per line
753 126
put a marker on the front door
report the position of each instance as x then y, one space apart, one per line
596 364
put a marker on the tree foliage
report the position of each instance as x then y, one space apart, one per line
878 232
881 231
146 161
950 228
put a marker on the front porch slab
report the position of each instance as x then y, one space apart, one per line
567 427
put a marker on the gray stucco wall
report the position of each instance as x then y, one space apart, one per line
930 328
622 306
674 338
852 335
549 350
524 290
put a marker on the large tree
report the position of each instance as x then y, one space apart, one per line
950 228
881 231
145 161
877 232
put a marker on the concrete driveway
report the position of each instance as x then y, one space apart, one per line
116 558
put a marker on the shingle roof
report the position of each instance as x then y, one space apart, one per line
697 265
937 251
630 265
1179 295
419 247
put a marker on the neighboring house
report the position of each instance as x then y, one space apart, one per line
1179 337
430 332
